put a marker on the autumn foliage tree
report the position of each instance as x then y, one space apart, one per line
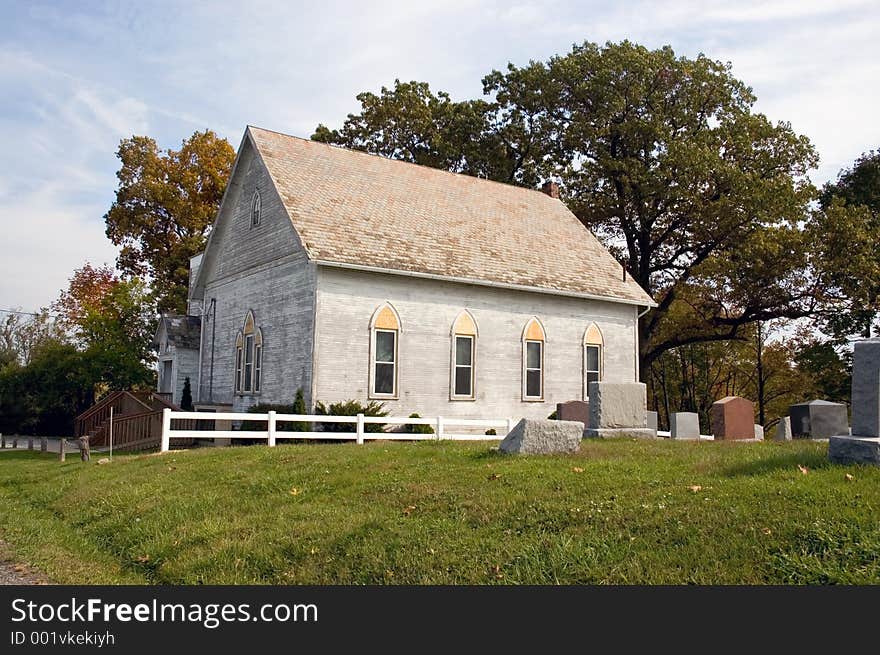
112 321
164 207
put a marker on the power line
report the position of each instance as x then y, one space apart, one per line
20 313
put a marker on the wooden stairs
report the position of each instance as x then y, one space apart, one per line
137 421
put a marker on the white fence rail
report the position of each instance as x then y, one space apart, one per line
271 434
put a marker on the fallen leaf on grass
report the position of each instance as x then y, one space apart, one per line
577 469
494 476
766 530
695 488
409 509
848 477
803 469
497 571
294 491
143 559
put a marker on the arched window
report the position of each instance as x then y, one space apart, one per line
384 337
249 357
592 357
256 209
533 360
464 340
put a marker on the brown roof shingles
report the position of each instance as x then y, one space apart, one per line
354 208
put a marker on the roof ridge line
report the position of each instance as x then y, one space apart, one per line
401 161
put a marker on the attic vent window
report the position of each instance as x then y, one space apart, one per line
256 209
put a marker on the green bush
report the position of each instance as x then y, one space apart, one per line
491 432
554 416
265 408
410 428
186 398
351 408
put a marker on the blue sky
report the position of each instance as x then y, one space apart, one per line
77 77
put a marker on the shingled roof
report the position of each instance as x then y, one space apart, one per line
355 209
183 331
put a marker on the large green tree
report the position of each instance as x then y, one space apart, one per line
414 124
848 229
665 160
164 207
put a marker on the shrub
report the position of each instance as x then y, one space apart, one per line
299 407
351 408
554 416
410 428
491 432
286 426
186 397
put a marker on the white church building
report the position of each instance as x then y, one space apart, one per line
353 276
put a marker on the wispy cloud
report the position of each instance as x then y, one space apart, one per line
78 77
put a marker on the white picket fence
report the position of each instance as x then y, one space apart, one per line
271 434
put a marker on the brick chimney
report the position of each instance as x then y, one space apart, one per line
551 189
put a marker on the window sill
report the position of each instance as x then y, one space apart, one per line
376 396
467 399
533 400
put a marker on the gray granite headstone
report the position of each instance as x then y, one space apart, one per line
543 436
652 420
619 410
759 432
866 388
684 425
783 430
862 445
818 419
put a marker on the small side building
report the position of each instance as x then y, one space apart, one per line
177 344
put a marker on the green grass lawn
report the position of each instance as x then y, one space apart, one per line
631 512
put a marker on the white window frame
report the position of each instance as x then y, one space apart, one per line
256 209
258 368
525 370
373 362
587 370
239 362
455 366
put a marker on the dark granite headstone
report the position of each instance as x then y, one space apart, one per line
818 419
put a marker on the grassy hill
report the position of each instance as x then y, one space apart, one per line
418 513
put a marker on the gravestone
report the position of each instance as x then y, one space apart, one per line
543 436
783 430
818 419
862 445
574 410
84 451
619 410
652 421
759 432
684 425
732 419
15 442
44 444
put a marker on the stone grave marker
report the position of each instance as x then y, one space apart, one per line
732 419
818 419
684 425
619 410
862 444
543 436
